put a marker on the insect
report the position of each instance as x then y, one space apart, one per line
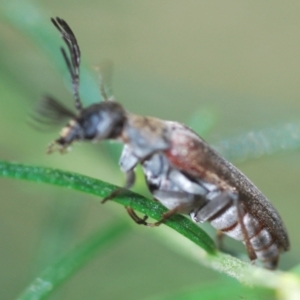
181 170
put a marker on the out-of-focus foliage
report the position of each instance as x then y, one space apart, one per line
239 59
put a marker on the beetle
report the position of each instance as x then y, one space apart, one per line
182 171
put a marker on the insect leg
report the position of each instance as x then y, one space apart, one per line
219 240
219 203
177 202
136 218
105 71
182 203
213 207
130 179
250 250
127 163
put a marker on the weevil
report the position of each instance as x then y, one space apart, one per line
182 171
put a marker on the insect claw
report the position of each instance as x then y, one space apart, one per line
136 218
251 253
50 148
155 224
64 150
145 218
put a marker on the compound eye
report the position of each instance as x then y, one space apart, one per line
90 125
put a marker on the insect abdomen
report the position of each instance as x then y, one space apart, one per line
264 244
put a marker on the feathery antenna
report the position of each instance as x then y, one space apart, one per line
74 61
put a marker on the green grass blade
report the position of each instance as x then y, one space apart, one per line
286 284
260 143
102 189
59 271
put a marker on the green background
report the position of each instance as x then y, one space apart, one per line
239 60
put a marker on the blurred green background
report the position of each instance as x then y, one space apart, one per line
238 60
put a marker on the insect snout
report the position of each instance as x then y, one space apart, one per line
95 123
68 135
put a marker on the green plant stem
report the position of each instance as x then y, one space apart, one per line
260 143
99 188
59 271
286 285
220 289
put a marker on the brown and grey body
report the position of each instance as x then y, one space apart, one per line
182 171
265 246
205 202
187 176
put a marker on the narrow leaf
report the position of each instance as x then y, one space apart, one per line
59 271
260 143
102 189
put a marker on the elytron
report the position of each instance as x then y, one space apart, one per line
181 170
